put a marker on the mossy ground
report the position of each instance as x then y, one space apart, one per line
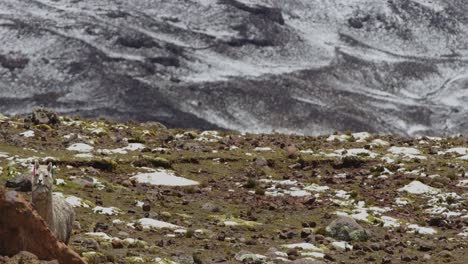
226 175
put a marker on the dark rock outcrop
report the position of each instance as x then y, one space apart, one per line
20 183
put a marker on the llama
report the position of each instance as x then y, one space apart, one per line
56 212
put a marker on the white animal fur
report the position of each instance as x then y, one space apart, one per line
55 211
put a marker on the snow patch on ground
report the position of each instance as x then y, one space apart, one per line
85 155
407 152
106 210
163 178
417 187
303 246
343 245
80 147
356 152
148 223
458 150
76 202
414 228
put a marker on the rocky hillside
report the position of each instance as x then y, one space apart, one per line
298 66
145 193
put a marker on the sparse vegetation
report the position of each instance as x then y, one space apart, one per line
242 201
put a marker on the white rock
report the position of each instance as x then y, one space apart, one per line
343 245
163 261
307 151
60 182
262 149
313 255
340 138
316 188
400 201
27 134
97 131
139 204
117 222
100 235
379 142
135 146
361 136
106 210
230 223
463 183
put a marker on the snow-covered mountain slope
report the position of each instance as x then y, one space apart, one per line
297 66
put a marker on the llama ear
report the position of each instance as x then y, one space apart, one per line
50 168
35 167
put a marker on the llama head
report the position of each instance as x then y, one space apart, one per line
42 181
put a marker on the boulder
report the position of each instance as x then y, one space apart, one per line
22 229
44 117
20 183
347 229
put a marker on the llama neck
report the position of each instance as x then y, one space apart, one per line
44 207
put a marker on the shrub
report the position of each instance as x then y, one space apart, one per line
251 183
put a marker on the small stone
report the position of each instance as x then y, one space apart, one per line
261 161
375 246
117 243
24 257
286 234
99 227
127 183
21 183
424 245
146 207
210 207
445 254
386 260
123 234
306 232
436 221
310 201
292 152
160 243
347 229
90 244
406 258
292 252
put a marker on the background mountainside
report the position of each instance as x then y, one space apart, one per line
298 66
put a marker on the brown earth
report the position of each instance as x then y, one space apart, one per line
22 229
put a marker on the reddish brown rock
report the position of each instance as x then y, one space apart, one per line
22 229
